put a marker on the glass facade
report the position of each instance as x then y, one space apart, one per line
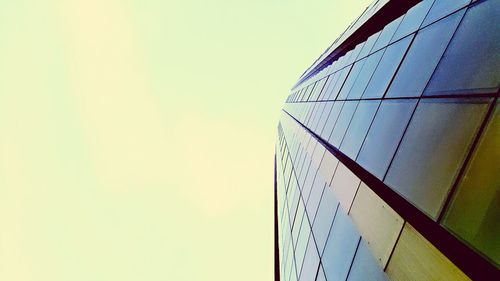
387 157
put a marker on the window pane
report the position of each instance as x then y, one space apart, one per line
413 19
340 248
474 212
386 68
342 123
332 119
471 63
423 57
364 76
369 45
359 126
442 8
349 82
384 135
387 33
324 116
433 149
340 81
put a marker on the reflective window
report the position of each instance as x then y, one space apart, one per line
368 45
355 53
359 126
387 33
342 123
340 81
365 74
472 61
330 85
413 19
422 59
386 68
433 149
324 116
474 212
442 8
325 92
340 247
384 135
332 119
349 82
317 91
364 267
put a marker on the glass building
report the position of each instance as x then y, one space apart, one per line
387 162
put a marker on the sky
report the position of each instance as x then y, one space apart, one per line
137 136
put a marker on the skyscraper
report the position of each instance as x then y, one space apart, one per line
388 150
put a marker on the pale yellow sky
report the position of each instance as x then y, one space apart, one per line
138 136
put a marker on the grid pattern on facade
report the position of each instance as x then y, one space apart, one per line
416 107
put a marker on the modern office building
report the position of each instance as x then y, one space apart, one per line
387 161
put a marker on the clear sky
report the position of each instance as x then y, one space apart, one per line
137 137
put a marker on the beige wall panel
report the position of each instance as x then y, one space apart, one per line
344 185
415 258
378 223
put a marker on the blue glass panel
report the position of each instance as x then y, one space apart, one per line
442 8
413 19
384 135
387 33
386 68
422 58
471 63
364 266
369 45
340 247
342 123
365 75
433 149
359 126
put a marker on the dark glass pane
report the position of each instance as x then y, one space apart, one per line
442 8
369 45
413 19
364 266
359 126
471 63
386 68
474 212
433 149
332 119
365 75
342 123
349 82
387 33
340 247
422 58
